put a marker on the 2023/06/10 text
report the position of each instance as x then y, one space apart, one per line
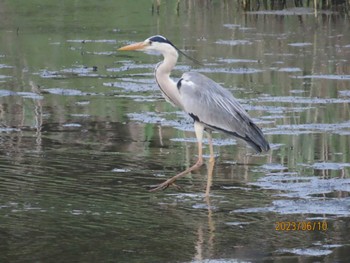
301 226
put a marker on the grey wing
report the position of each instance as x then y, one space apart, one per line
208 102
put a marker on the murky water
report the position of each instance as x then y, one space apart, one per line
84 132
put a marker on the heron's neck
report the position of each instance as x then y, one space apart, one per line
169 62
165 83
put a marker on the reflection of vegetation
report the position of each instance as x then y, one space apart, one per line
254 5
341 6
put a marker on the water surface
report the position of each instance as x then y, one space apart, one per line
84 132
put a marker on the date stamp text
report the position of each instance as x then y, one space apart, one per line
301 226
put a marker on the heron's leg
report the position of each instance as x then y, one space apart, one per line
199 129
211 149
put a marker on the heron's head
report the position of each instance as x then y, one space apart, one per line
159 44
155 43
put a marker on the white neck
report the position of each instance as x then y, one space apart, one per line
166 84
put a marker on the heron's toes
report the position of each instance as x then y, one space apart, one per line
158 187
163 186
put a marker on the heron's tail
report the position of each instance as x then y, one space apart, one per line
253 136
256 139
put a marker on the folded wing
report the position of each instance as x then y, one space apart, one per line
215 107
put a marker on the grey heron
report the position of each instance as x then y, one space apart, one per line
210 105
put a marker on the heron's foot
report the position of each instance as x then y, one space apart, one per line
171 181
164 185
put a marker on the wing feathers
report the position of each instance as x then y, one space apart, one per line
218 109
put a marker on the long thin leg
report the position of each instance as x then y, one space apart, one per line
211 149
199 129
210 168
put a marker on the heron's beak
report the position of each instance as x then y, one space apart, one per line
136 46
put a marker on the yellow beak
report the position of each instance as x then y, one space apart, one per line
136 46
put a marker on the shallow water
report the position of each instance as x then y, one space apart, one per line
84 132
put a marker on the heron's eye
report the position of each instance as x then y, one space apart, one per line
150 43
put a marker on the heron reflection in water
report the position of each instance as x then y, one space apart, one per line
210 105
